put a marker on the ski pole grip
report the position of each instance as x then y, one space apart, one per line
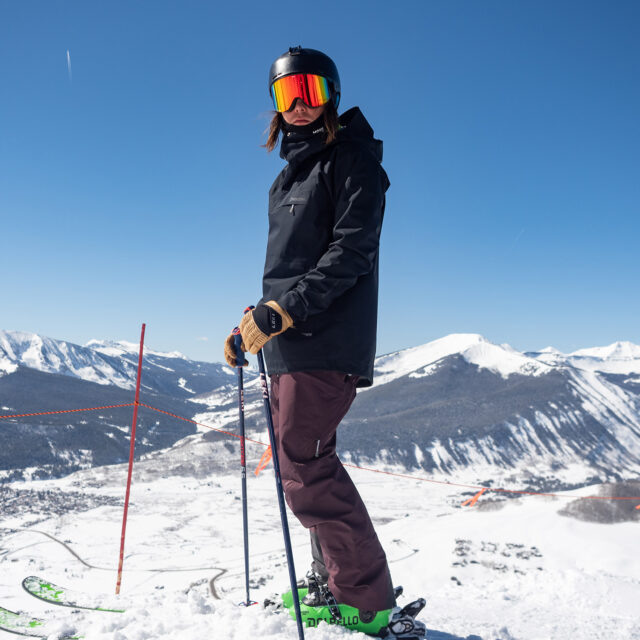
237 345
237 342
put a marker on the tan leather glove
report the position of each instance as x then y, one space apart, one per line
257 327
263 323
230 352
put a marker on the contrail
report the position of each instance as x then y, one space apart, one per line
513 244
69 65
519 235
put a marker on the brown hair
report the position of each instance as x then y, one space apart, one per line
331 126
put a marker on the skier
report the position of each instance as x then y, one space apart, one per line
316 322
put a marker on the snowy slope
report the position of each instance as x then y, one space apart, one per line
461 404
121 347
456 410
502 570
6 365
111 363
616 351
475 349
415 363
57 356
39 374
565 426
616 358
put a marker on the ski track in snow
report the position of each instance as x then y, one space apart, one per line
514 570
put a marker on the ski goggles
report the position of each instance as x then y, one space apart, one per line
311 89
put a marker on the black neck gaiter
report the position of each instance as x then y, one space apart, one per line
305 129
298 143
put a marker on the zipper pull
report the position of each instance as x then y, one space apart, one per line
292 210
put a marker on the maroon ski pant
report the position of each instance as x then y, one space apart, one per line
307 408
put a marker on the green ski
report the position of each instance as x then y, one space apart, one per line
54 594
24 625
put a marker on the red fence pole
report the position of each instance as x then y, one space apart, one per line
131 450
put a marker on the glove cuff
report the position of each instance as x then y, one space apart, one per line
287 322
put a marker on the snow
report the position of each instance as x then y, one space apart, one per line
6 366
617 351
618 358
549 350
498 571
182 383
103 362
56 356
421 361
512 569
599 397
120 347
424 371
32 356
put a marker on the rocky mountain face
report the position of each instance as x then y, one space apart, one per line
456 407
564 424
464 407
111 364
39 374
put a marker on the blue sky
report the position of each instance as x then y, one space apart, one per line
133 187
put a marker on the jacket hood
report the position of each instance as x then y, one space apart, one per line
299 143
354 126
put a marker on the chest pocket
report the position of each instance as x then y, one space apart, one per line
293 202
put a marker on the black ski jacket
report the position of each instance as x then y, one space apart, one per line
325 216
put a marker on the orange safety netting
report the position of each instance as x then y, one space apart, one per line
50 413
267 456
264 461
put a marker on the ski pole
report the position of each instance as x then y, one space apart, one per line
280 492
243 463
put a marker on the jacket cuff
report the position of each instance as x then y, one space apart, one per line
293 305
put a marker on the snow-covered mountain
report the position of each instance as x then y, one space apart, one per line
418 361
618 358
18 348
42 374
462 405
459 410
535 568
110 363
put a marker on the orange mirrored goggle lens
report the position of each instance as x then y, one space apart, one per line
311 89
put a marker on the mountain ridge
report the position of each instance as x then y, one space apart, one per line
459 404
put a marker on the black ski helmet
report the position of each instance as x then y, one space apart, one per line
299 60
